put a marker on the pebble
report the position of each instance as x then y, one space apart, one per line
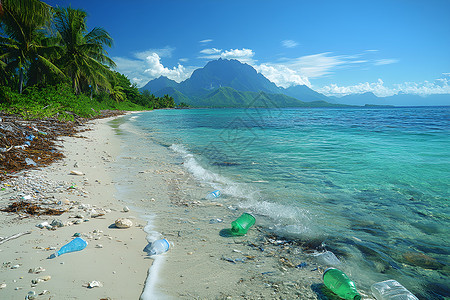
123 223
126 209
99 246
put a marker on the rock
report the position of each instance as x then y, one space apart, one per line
422 260
57 223
126 209
99 246
2 285
94 284
123 223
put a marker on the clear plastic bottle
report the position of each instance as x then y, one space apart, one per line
213 195
159 247
339 283
391 290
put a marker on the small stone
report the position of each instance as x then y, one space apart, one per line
15 267
190 253
2 285
94 284
57 223
99 246
126 209
123 223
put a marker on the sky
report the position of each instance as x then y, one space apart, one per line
334 47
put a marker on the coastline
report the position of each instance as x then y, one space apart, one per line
165 201
113 257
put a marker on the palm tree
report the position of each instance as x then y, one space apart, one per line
84 60
22 22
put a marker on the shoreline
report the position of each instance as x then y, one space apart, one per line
113 257
165 201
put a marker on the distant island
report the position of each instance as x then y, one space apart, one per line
230 83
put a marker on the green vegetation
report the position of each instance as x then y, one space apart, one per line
52 65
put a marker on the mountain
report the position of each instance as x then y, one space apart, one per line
396 100
361 99
227 73
230 83
304 93
159 83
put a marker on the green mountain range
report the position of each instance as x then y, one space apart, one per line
230 83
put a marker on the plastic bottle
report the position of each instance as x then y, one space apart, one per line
339 283
242 224
328 258
213 195
391 290
76 244
159 247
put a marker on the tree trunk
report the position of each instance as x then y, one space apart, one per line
20 80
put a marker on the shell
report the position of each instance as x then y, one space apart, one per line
74 172
123 223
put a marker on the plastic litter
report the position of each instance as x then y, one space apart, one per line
76 244
213 195
242 224
391 290
157 247
327 258
29 162
339 283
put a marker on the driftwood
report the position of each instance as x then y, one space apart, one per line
15 236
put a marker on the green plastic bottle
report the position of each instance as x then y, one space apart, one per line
242 224
340 284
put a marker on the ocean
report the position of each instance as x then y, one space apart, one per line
371 185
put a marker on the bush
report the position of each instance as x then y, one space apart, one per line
57 101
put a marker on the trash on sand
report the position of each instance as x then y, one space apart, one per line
213 195
123 223
242 224
391 289
41 279
327 258
338 282
30 162
215 221
76 244
157 247
93 284
36 270
228 259
75 172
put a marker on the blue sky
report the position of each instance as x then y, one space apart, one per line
335 47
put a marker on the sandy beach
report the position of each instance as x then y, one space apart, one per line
113 257
204 262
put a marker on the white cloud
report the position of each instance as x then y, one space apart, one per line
147 65
205 41
243 55
381 62
211 51
281 75
163 52
439 86
289 44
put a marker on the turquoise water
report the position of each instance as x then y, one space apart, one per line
370 185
